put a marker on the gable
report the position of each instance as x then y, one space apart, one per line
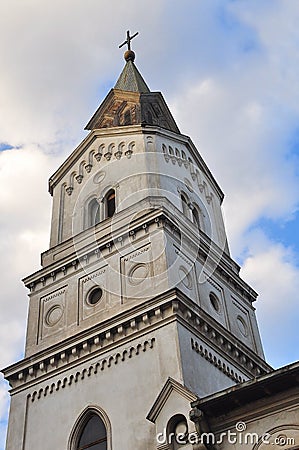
173 398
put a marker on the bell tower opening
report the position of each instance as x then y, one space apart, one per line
93 213
110 203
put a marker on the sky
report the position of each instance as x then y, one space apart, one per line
228 70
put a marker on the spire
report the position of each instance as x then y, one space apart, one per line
130 79
131 102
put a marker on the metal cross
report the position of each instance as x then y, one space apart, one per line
128 41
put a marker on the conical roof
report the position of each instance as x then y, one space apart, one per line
131 79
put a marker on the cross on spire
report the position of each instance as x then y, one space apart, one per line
128 41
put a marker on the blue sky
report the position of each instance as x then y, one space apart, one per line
5 146
229 72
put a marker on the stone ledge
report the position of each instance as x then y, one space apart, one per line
107 245
168 307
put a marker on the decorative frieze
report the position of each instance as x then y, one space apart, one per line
137 253
216 361
184 258
179 156
234 351
93 369
93 275
53 295
94 157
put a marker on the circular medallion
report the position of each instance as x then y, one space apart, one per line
138 273
99 177
242 326
54 315
185 277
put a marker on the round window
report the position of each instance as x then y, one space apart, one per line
94 296
215 302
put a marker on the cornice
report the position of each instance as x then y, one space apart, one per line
169 307
160 217
259 389
249 412
100 245
77 153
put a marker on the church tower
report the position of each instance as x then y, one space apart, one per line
138 308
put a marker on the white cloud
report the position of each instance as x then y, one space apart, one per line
24 233
4 400
244 117
56 56
4 404
270 268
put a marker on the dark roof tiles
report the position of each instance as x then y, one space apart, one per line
131 80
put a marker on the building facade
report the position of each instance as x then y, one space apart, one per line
138 310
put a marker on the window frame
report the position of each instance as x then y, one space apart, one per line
93 221
78 427
185 204
173 422
110 193
197 217
90 219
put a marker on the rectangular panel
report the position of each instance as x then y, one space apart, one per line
137 273
93 293
52 318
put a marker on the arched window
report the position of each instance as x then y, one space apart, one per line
185 205
195 217
93 213
93 435
92 431
110 203
177 432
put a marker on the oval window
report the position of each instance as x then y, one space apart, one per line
215 302
94 296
